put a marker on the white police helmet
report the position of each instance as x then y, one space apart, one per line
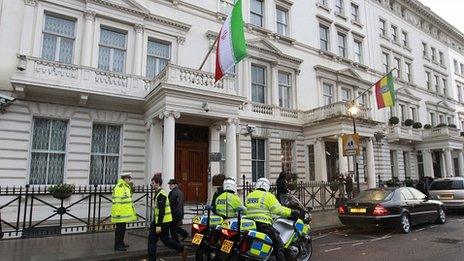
263 183
229 184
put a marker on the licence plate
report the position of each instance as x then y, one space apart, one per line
446 196
196 240
357 210
227 246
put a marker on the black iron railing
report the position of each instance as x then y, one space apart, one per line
315 194
31 211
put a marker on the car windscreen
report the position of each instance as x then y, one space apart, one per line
446 185
374 195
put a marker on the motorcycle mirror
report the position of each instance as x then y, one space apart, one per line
208 207
241 209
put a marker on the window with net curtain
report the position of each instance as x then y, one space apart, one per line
112 50
58 39
48 152
258 159
285 86
258 84
158 56
104 159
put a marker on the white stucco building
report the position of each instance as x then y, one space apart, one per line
104 86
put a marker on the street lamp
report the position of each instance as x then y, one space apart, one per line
353 109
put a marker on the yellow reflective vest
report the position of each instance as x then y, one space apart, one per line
227 204
261 205
122 209
167 208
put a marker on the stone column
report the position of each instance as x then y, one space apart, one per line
428 163
321 161
274 85
214 146
27 30
342 160
156 147
138 49
86 56
443 163
370 163
169 145
461 163
231 148
449 163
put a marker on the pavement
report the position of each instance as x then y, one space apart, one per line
99 246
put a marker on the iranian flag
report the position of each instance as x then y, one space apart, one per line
231 46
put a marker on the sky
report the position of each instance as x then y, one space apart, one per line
450 10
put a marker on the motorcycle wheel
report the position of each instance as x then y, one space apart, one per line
201 254
307 252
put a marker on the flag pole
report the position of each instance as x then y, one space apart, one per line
352 101
209 52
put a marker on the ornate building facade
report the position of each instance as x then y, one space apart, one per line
104 86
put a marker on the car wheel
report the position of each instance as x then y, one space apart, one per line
405 224
441 219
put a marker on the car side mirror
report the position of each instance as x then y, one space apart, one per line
426 198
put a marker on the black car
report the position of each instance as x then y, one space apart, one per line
391 207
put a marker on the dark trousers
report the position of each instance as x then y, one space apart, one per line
176 229
277 242
119 233
165 239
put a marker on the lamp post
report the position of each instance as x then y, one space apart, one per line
353 109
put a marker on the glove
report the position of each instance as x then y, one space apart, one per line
157 230
294 215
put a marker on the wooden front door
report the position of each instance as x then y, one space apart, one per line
191 169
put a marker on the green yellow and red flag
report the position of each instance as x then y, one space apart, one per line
385 91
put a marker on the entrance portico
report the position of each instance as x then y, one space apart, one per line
187 99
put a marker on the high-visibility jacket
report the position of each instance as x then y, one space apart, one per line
261 205
167 207
122 209
227 204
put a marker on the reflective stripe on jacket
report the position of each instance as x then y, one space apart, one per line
261 205
227 204
167 207
122 209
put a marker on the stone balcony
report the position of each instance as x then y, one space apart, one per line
37 72
183 77
441 132
270 113
405 133
335 110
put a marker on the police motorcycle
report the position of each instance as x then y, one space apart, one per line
206 231
295 234
253 245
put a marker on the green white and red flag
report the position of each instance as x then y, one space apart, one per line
231 46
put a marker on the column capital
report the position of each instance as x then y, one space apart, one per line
216 126
232 121
320 139
168 114
139 28
90 15
32 3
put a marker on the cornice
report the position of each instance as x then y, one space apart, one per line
275 53
423 12
159 19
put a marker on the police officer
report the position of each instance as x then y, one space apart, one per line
228 203
159 227
122 209
261 205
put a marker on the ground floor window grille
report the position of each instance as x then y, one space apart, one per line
104 160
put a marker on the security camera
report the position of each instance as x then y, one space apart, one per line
250 128
6 98
205 106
